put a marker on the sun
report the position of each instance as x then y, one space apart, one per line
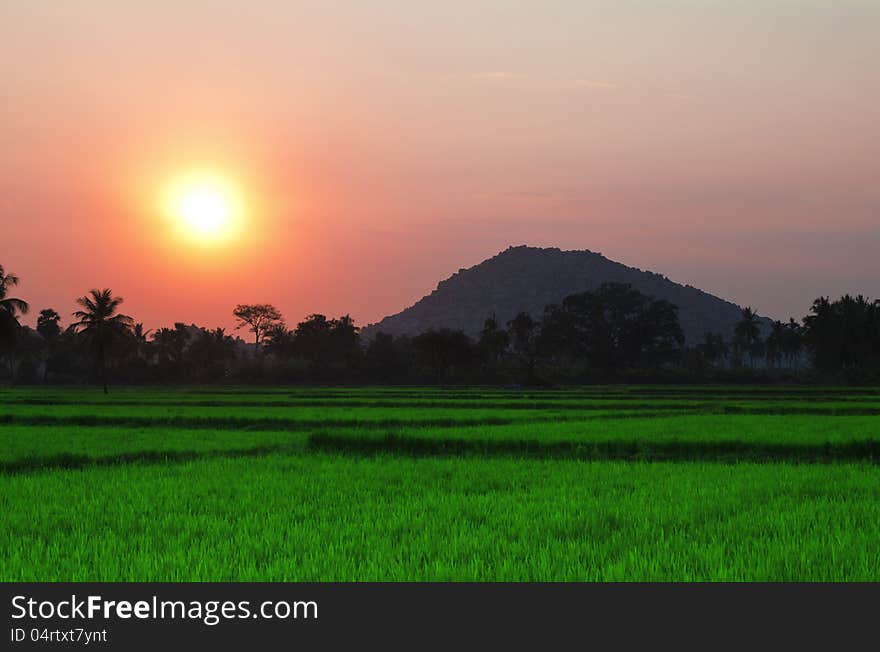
205 208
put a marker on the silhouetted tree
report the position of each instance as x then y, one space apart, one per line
389 359
49 324
140 341
30 352
491 346
49 327
209 352
312 336
524 331
844 334
775 345
822 335
562 335
747 333
714 348
10 309
614 327
100 325
11 305
170 346
443 352
328 345
344 341
792 342
278 341
757 351
257 317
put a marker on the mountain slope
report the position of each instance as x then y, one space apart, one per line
528 278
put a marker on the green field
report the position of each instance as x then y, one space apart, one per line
595 483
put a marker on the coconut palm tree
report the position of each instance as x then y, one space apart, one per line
140 341
775 345
10 305
49 326
10 308
793 342
747 333
101 324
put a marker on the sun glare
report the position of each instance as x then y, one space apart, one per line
206 208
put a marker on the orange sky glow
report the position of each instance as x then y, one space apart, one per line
373 148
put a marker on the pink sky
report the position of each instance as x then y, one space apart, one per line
380 146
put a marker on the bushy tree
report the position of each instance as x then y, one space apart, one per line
491 347
524 333
209 353
389 359
615 327
330 346
714 348
257 318
278 341
444 352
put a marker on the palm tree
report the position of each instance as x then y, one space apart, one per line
100 324
792 342
141 345
10 305
748 333
775 345
10 308
49 326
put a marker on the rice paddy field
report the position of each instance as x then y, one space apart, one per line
461 484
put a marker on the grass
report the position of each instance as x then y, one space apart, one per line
597 483
689 437
330 517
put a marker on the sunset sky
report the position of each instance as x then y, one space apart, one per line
375 147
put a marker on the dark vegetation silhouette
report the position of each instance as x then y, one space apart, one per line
614 333
747 337
614 328
10 330
100 327
843 335
257 318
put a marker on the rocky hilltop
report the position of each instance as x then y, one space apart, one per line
529 278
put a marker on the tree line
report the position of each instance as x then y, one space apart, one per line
613 333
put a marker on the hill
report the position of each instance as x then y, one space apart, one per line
528 278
